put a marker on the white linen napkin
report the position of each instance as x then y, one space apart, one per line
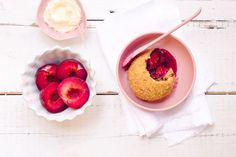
184 121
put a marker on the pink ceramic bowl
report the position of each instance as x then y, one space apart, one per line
186 73
60 35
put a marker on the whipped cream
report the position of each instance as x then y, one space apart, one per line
62 15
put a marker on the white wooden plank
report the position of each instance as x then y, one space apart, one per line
101 131
24 12
104 119
70 146
214 46
211 9
22 43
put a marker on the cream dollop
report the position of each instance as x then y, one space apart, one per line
62 15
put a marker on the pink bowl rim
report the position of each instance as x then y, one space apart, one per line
152 109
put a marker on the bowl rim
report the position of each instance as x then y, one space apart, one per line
147 108
56 34
91 74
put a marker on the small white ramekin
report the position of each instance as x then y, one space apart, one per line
31 94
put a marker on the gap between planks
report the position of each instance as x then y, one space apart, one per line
207 24
111 136
208 92
11 93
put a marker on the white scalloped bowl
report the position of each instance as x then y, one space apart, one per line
31 93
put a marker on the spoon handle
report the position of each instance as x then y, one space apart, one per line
153 42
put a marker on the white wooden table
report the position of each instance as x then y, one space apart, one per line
101 131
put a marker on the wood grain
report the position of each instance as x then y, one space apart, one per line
103 119
72 146
12 12
103 128
24 51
